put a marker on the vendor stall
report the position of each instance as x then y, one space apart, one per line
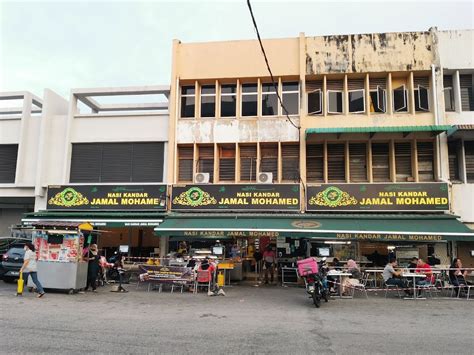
59 247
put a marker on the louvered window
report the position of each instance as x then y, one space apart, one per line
378 95
356 95
467 96
269 159
227 163
208 101
336 162
248 162
8 158
358 162
380 162
185 163
290 162
448 93
422 85
425 161
315 162
315 97
403 161
453 149
188 101
117 162
206 161
469 156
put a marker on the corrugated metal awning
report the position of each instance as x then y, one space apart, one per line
437 129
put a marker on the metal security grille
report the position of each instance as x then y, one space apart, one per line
403 161
185 163
467 97
269 159
290 162
358 162
453 148
227 163
8 158
380 162
248 162
425 161
206 161
117 162
315 162
469 156
336 162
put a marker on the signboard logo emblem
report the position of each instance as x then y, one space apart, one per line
333 197
68 198
306 224
194 197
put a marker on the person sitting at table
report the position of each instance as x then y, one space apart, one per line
433 260
351 268
457 275
424 268
413 264
393 277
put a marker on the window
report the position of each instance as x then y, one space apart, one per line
425 161
185 163
228 100
448 93
336 162
400 99
249 99
315 162
380 162
421 99
453 149
269 100
8 159
290 162
188 101
248 162
378 95
315 102
467 97
227 163
358 162
357 101
403 157
291 98
335 102
117 162
469 156
208 101
206 161
269 159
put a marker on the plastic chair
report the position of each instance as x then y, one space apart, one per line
203 279
357 285
387 287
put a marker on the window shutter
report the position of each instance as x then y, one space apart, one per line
358 162
248 163
314 85
421 80
425 161
86 161
148 162
355 84
377 82
336 162
380 162
290 163
403 161
185 163
227 164
315 162
453 160
335 85
269 159
206 161
467 97
469 156
8 159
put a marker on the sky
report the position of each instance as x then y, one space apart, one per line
82 44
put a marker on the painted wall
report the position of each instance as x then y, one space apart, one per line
456 49
462 201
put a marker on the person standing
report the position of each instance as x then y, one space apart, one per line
93 268
269 258
30 267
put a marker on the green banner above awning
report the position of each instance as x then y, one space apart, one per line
437 129
413 228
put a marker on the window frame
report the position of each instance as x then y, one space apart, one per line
221 157
380 93
187 95
451 96
201 95
405 99
363 100
275 93
419 108
242 94
328 92
314 113
221 94
283 92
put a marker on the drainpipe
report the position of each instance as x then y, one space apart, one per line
436 113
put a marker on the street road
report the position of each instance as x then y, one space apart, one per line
249 320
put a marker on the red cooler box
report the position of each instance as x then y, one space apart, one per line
307 266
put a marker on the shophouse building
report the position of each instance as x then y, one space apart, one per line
354 163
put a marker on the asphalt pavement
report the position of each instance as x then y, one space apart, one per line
248 320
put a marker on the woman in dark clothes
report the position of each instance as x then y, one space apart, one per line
94 267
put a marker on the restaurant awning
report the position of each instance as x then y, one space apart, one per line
98 219
405 130
461 130
376 227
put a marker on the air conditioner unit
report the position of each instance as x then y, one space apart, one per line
202 178
265 178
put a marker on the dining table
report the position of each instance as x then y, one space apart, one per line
414 276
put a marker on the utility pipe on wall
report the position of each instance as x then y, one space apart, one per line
435 101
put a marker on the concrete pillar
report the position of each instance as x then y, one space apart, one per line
457 92
164 246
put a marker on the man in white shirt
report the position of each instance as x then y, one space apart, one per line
29 267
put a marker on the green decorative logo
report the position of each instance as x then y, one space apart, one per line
68 198
333 197
194 197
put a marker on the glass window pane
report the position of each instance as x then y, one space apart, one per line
228 106
400 99
187 106
208 106
290 86
448 99
249 105
269 104
291 103
335 102
228 89
208 89
188 90
249 87
356 101
314 102
269 87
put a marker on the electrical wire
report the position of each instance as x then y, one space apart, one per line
268 67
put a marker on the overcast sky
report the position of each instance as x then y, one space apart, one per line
78 44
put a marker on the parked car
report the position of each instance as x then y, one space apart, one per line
11 263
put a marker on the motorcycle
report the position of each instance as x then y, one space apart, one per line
316 283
